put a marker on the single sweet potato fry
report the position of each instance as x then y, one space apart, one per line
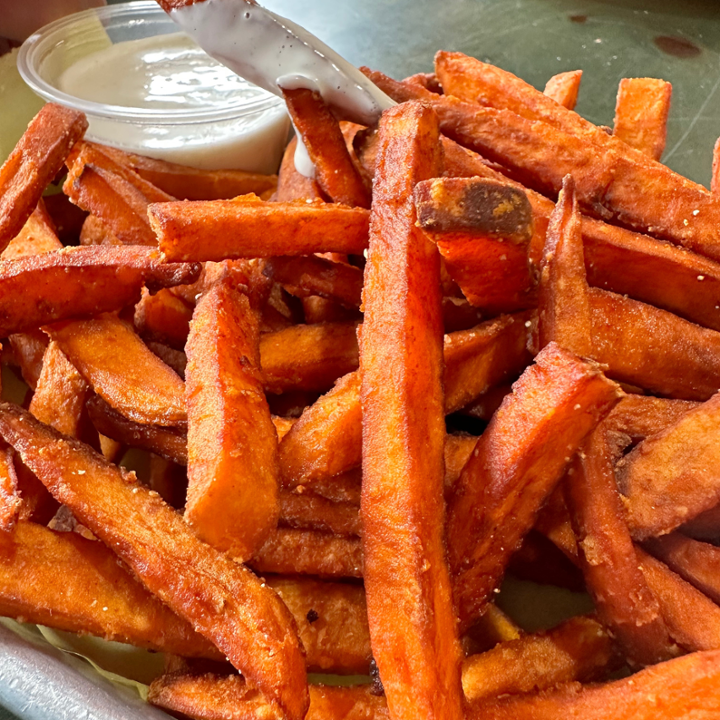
564 315
515 465
255 630
641 114
308 357
59 399
308 552
578 649
166 442
326 440
291 184
332 623
692 619
679 689
222 229
623 600
188 183
335 172
163 317
407 583
310 511
232 499
697 562
78 281
37 236
564 87
95 232
312 275
122 370
33 164
673 476
653 348
211 697
10 500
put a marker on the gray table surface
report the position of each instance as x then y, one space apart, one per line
538 38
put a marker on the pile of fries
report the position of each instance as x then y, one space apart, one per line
295 357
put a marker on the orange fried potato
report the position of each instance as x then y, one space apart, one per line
653 348
407 583
189 183
33 164
308 357
332 623
679 689
122 370
692 619
517 462
608 178
564 87
308 552
97 595
255 631
641 114
10 500
312 275
310 511
163 317
697 562
672 476
578 649
212 697
564 315
334 169
232 499
59 399
221 229
291 184
73 282
95 232
623 600
168 442
37 236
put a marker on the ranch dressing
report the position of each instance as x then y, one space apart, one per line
170 83
274 53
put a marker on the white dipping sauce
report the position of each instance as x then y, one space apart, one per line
275 53
170 74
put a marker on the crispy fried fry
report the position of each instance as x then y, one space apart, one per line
515 465
37 236
308 552
255 630
672 476
10 500
308 357
320 131
691 617
578 649
32 165
163 317
309 511
74 282
232 500
188 183
564 315
407 583
169 443
312 275
211 697
95 232
641 114
696 562
674 690
564 87
624 602
221 229
122 370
